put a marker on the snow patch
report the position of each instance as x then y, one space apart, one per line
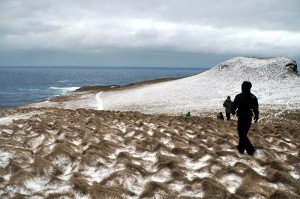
37 184
231 182
295 174
121 126
192 193
194 165
161 176
177 186
9 119
4 158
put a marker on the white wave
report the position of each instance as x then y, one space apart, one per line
62 81
64 89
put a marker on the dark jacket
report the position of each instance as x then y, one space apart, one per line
247 105
227 104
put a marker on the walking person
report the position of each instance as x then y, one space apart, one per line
246 105
227 104
220 116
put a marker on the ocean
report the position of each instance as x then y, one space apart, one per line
24 85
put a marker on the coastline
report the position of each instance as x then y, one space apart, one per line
98 88
50 83
129 86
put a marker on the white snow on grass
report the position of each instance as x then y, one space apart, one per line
66 165
122 127
37 141
215 168
130 134
231 182
166 153
4 158
76 141
194 165
255 166
36 184
129 149
177 186
194 174
94 174
202 174
78 195
167 142
7 176
277 186
161 176
9 119
149 159
229 160
150 132
259 154
192 193
257 196
8 131
134 183
295 174
191 135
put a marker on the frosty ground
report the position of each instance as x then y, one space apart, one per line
133 142
59 153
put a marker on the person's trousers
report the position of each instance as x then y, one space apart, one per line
244 124
228 116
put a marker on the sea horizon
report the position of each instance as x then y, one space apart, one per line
21 85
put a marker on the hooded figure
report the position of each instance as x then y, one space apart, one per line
246 105
227 104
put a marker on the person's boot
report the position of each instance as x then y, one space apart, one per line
251 153
239 149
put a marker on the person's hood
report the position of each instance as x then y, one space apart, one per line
246 87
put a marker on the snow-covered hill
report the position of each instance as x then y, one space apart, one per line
275 82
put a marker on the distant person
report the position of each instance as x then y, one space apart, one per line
227 104
246 105
220 116
187 115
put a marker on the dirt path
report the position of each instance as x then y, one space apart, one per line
99 103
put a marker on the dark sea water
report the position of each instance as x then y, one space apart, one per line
23 85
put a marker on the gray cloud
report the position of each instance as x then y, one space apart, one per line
254 27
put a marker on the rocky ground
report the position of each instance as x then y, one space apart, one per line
60 153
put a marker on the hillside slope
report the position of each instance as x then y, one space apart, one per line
275 83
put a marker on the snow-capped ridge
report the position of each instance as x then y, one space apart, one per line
258 68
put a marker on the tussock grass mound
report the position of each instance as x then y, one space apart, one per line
61 153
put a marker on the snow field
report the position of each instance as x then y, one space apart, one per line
272 83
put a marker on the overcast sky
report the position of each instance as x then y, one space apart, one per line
176 33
